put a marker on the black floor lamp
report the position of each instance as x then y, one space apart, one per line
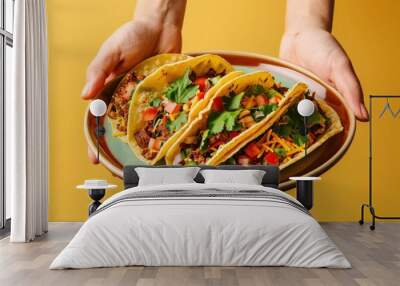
98 108
394 114
304 184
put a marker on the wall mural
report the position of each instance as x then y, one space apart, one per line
220 108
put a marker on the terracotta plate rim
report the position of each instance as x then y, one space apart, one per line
315 172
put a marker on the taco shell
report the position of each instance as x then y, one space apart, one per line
334 128
237 85
155 85
129 82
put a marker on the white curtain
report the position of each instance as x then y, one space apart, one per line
26 124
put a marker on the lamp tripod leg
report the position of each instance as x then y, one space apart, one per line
306 134
97 136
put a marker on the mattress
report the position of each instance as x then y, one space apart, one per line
201 225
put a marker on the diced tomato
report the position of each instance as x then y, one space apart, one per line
201 82
271 158
252 150
233 134
274 100
243 160
172 107
149 113
200 94
218 104
261 100
154 144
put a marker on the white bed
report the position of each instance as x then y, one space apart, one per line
269 229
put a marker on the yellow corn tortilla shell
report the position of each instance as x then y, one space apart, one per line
144 68
158 81
237 85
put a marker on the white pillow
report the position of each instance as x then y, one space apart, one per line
166 176
248 177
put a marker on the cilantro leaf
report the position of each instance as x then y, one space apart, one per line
255 90
283 130
315 118
216 122
174 125
187 94
225 120
182 89
234 102
230 121
267 109
299 139
281 152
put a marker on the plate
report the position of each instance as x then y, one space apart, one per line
114 154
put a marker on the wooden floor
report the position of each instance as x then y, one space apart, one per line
375 257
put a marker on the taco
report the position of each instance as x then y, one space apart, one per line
118 108
283 144
239 109
167 101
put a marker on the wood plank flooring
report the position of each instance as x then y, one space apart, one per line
375 257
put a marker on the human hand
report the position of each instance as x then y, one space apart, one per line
318 51
156 29
308 42
130 44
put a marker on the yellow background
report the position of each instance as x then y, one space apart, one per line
368 31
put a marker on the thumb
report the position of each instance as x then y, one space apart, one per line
348 84
99 69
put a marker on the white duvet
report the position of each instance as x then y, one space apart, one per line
200 231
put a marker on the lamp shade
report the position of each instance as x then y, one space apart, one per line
305 107
98 107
